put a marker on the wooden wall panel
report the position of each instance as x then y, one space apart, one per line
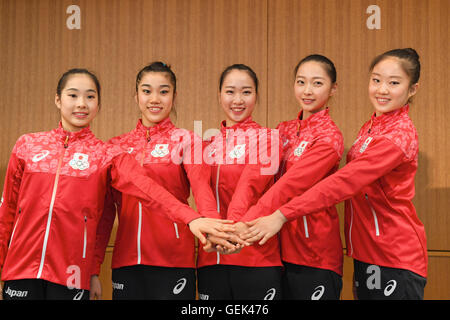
347 280
438 281
106 275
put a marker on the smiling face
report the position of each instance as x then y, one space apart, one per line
237 97
155 96
389 86
78 102
313 87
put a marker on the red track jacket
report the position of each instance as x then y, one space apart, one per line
312 150
172 157
381 224
53 199
243 160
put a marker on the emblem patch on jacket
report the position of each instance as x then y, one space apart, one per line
237 152
301 148
160 150
365 144
79 161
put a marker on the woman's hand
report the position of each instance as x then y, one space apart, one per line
95 292
264 228
222 246
241 228
213 227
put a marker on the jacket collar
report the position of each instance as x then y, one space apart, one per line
313 120
243 125
388 116
162 127
67 136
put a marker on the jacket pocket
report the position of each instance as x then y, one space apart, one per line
305 225
374 214
176 230
15 226
85 237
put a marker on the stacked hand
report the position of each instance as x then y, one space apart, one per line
264 228
225 237
222 246
217 235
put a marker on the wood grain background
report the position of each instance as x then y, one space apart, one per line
199 38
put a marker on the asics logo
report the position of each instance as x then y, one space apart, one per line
40 156
318 293
391 285
270 294
79 295
181 283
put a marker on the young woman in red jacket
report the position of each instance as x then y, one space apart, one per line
53 199
243 158
153 255
383 233
311 247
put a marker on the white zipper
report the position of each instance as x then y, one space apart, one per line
217 188
14 229
176 230
50 211
305 224
218 204
375 219
139 256
217 191
85 237
350 228
139 234
218 174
